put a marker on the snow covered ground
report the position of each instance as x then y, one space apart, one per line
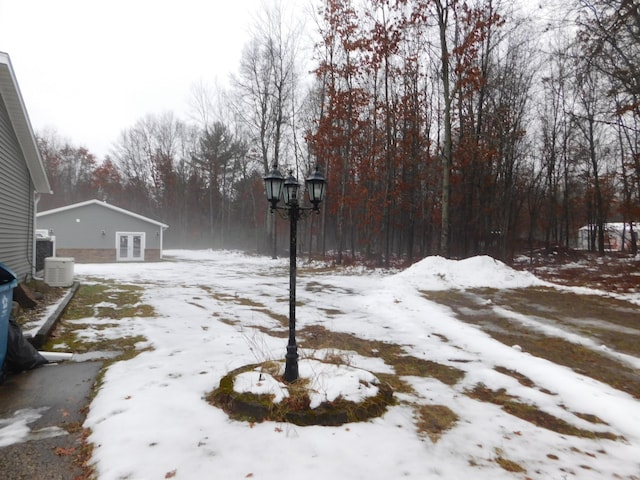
213 312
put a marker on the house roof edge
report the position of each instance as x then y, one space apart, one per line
103 204
21 124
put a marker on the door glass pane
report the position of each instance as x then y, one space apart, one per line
137 246
124 246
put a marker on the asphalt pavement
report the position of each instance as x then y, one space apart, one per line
41 415
49 402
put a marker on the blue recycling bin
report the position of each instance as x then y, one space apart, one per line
8 282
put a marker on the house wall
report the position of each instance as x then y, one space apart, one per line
104 255
16 202
79 233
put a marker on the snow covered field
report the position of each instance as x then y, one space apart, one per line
213 313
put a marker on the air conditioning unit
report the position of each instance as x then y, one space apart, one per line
58 271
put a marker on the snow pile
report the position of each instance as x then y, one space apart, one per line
438 273
260 383
329 382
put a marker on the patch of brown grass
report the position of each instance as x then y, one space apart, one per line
396 383
615 272
409 365
610 321
318 337
472 307
124 302
577 357
434 420
522 379
533 414
590 418
509 465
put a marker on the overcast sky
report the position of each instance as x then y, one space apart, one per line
92 68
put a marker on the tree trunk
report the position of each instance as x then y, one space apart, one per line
447 146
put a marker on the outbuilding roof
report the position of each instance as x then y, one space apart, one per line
10 93
102 204
611 226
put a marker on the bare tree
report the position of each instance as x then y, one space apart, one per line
442 16
610 29
69 169
588 120
556 136
265 86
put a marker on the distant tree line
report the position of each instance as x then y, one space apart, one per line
451 127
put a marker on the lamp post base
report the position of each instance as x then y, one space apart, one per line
291 364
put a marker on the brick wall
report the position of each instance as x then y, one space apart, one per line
101 255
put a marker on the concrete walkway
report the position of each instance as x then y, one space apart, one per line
41 414
44 409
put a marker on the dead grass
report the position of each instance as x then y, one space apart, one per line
253 305
316 287
434 420
508 465
397 383
227 297
108 301
317 337
522 379
45 295
615 272
477 307
406 365
590 418
431 420
612 322
533 414
103 301
577 357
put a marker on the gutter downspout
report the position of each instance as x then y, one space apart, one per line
36 200
162 229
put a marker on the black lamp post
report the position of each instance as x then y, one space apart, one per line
276 186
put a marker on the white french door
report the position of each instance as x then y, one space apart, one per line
130 246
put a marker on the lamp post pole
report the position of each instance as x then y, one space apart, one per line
291 358
276 187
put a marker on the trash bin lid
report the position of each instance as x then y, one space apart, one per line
6 274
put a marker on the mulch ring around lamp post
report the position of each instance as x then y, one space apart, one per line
256 393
